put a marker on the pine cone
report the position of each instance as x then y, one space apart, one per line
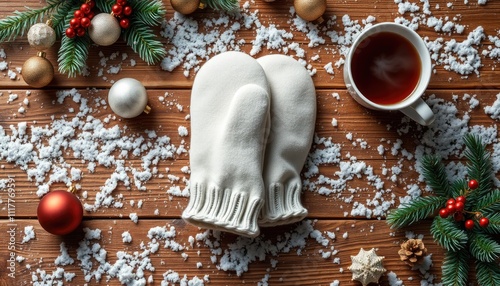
412 252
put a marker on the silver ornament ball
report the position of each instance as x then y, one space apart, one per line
128 98
41 36
104 29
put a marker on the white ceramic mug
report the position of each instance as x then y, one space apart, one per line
412 106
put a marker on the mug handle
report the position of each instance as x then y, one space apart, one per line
420 112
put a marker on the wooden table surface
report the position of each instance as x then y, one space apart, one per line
384 146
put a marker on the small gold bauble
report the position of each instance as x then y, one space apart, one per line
37 71
104 29
185 6
310 10
41 36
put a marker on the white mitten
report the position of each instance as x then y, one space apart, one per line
293 117
229 119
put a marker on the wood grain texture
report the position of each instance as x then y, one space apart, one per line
359 134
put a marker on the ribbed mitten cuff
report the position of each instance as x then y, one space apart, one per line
223 209
282 205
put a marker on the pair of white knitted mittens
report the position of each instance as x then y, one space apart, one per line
252 124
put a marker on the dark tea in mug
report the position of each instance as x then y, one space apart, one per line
386 68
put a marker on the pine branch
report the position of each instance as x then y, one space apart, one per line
19 23
479 166
494 225
435 175
455 268
483 247
144 42
489 203
149 12
487 273
418 209
223 5
458 188
448 234
104 5
61 17
73 54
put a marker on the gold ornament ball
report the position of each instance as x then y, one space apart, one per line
37 71
104 29
185 6
310 10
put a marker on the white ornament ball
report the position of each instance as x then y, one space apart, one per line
41 36
104 29
128 98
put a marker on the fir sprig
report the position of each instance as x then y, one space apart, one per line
144 42
19 23
461 241
419 209
487 273
455 268
224 5
448 234
73 53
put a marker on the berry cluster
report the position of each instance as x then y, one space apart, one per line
455 207
121 10
81 20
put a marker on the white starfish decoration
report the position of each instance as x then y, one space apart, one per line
367 267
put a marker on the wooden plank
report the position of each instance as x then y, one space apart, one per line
470 15
301 265
165 119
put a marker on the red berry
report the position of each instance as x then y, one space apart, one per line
125 23
473 184
70 33
85 8
484 221
91 15
80 31
127 10
91 4
459 206
451 208
74 23
469 224
450 201
85 22
443 213
458 216
78 14
117 9
460 199
121 2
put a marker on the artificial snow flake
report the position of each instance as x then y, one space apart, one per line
367 266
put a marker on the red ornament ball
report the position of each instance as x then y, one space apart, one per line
458 216
117 9
459 206
443 213
473 184
127 10
484 221
60 212
469 224
70 33
125 23
85 22
460 199
85 8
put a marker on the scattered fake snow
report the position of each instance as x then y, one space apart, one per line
38 149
